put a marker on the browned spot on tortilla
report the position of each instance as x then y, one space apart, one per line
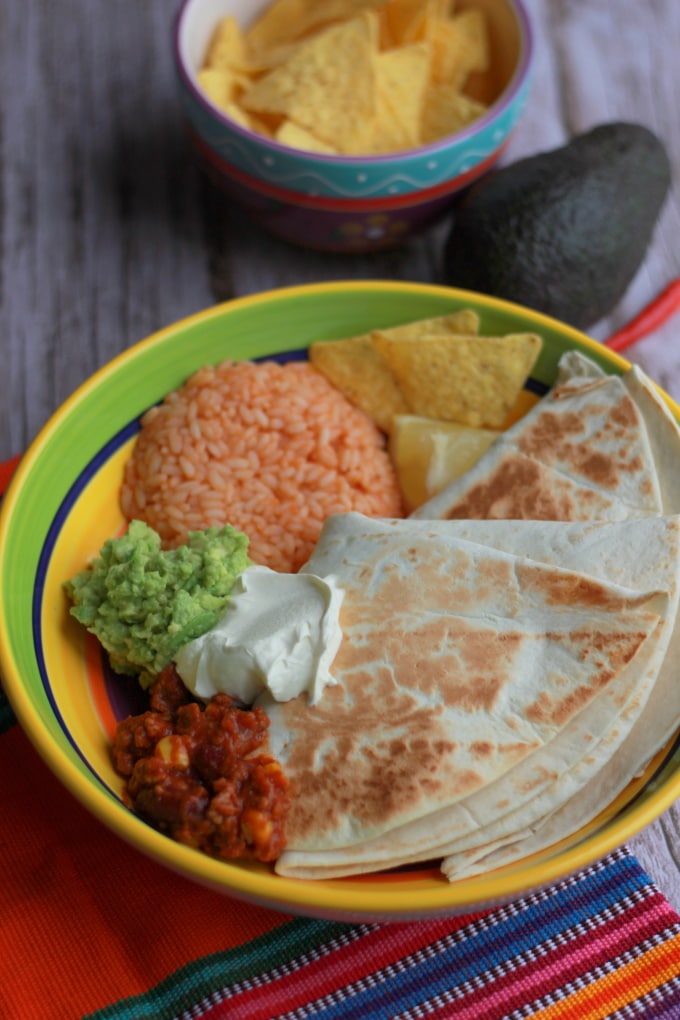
540 778
482 749
566 588
383 779
599 455
521 488
615 649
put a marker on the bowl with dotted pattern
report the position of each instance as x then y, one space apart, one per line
350 203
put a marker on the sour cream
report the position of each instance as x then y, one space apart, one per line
279 632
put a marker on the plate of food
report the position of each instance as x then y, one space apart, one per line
357 600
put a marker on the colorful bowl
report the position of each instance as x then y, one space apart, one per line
62 505
350 204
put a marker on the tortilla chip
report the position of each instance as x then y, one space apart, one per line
359 76
406 21
227 47
469 379
298 137
223 87
337 10
279 23
525 401
465 321
264 125
263 62
328 85
384 133
446 110
460 46
358 370
402 77
395 125
287 22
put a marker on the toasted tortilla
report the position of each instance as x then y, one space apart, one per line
660 715
536 787
653 433
617 468
459 662
622 749
583 452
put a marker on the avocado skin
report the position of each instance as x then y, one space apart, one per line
564 231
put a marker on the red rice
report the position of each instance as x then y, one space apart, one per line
270 449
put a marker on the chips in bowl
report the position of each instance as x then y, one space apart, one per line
350 77
350 166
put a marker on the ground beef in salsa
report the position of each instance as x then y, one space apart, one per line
192 772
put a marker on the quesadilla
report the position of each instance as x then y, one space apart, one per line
651 728
583 452
464 665
655 434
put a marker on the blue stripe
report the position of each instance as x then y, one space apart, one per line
484 949
475 948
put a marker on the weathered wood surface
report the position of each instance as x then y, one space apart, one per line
108 232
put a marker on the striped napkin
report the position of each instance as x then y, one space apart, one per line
90 928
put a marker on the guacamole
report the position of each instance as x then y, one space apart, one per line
143 602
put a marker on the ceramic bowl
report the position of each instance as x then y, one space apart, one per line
350 204
62 505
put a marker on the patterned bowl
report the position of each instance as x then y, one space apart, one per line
63 504
349 203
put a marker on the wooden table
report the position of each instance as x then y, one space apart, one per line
109 233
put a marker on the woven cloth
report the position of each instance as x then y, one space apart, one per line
90 928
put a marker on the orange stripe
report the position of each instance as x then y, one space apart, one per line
621 987
97 685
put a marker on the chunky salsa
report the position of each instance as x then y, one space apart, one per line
191 771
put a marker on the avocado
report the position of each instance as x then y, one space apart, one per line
144 602
564 231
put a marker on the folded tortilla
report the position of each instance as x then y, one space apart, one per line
583 452
597 449
646 425
650 715
545 779
472 676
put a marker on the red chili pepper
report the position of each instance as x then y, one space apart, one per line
650 318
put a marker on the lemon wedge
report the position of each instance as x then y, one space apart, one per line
428 454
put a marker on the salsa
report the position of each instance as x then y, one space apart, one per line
192 771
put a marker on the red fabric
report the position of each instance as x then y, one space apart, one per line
7 469
130 921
